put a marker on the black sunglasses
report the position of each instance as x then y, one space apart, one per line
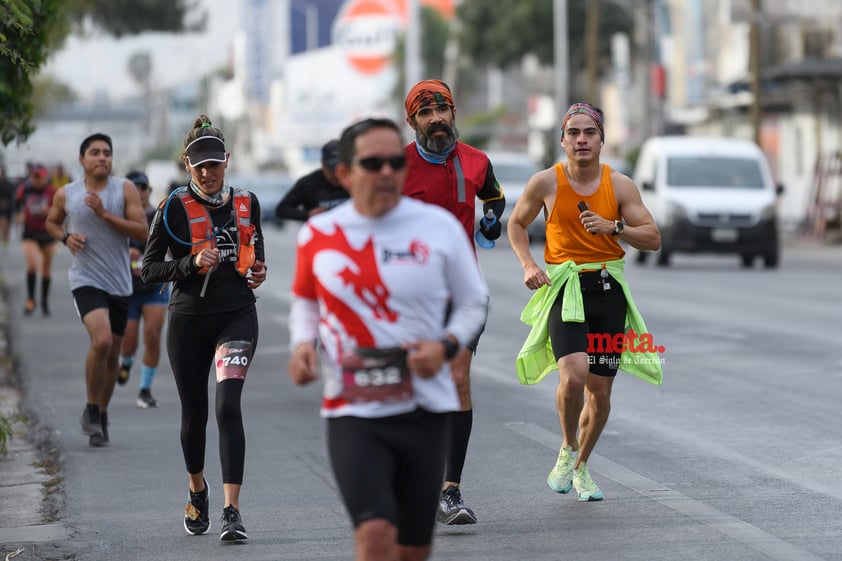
375 163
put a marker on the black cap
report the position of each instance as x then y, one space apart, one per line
205 149
330 154
138 178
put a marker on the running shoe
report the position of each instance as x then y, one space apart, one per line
585 487
90 421
560 479
123 374
232 525
145 399
452 509
196 518
103 418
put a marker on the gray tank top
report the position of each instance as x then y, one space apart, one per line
104 263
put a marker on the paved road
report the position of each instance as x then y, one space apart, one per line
736 456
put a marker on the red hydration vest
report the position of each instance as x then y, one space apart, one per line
201 228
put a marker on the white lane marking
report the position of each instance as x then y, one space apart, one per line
772 546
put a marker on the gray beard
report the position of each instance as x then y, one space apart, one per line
438 145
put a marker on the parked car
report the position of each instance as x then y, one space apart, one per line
513 170
270 188
713 195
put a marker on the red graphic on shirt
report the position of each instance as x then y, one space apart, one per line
362 274
420 250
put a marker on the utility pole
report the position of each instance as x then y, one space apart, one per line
643 113
592 52
560 63
754 67
412 64
451 50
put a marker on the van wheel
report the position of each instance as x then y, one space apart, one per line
770 260
641 257
748 260
663 258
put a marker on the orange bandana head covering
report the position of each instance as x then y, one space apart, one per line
427 92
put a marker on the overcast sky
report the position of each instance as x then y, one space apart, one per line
99 64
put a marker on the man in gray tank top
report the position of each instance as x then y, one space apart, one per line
95 217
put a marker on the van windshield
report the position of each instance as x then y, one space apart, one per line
712 171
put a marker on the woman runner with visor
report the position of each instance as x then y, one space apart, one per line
212 231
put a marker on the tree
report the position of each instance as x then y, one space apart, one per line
501 32
31 29
130 17
24 47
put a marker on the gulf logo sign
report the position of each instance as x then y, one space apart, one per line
368 30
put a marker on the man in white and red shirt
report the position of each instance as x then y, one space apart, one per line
373 281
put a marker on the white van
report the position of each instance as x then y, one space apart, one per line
710 195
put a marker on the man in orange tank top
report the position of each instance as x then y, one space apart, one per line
589 208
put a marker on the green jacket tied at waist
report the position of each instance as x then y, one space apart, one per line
535 359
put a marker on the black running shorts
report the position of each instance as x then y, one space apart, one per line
87 299
392 468
605 316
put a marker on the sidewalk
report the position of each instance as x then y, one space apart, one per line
30 477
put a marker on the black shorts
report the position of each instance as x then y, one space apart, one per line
605 317
392 468
42 238
87 298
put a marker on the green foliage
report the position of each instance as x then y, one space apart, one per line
478 129
501 32
7 429
130 17
24 47
31 29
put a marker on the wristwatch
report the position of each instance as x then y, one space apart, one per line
64 238
451 348
618 228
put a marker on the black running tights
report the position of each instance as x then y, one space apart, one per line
192 343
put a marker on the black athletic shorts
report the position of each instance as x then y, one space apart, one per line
605 316
42 238
392 468
87 298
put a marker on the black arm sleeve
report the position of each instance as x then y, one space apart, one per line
491 194
294 204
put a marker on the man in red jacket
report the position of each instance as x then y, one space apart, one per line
452 175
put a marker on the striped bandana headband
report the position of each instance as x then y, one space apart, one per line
592 111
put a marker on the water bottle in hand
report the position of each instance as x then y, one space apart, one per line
488 220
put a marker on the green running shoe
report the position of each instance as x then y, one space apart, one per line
587 489
560 478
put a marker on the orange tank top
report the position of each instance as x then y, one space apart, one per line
567 239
